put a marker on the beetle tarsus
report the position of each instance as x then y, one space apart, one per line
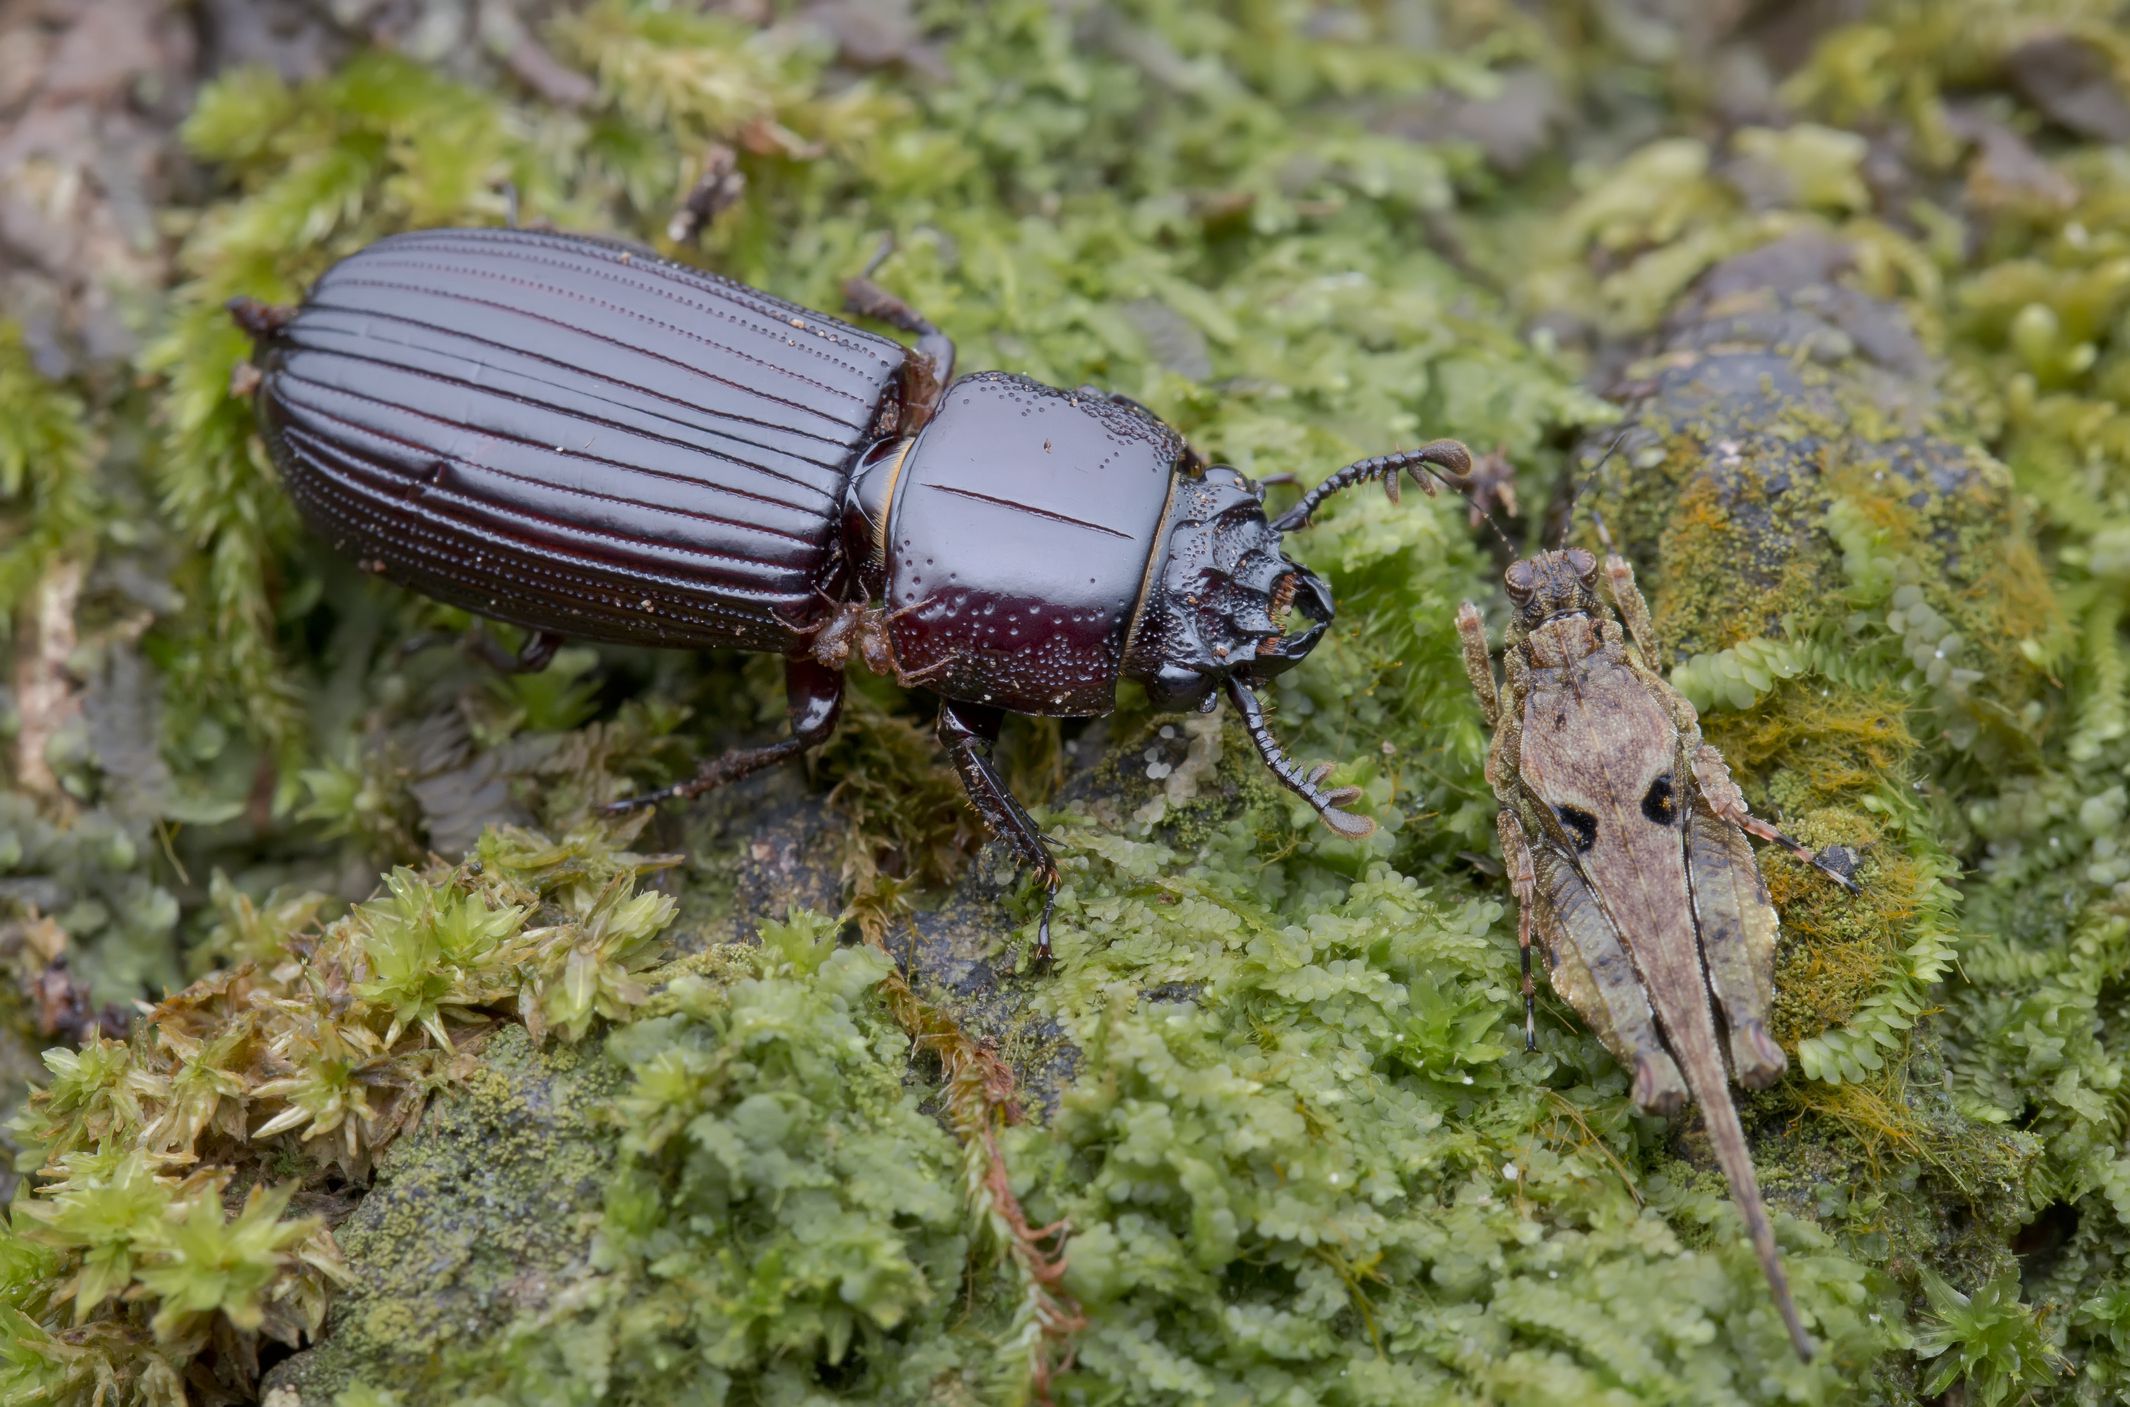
968 732
813 699
1329 805
1446 460
1043 954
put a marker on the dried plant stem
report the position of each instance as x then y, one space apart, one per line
981 1101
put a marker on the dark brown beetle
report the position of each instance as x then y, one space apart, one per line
584 439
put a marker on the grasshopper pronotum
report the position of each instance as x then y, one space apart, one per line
1625 841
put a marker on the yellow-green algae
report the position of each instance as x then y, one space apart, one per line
1271 1097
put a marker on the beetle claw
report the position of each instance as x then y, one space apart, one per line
1346 824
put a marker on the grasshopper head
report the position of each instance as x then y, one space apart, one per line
1553 584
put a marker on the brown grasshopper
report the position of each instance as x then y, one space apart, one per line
1625 841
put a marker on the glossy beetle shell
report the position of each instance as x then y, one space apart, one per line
1018 536
577 436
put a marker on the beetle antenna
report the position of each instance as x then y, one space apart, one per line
1447 460
1328 804
880 255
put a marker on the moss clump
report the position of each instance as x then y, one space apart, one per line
1264 1135
315 1056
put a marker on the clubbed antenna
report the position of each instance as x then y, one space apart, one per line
1328 804
1447 460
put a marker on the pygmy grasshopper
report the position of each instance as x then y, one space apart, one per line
1625 841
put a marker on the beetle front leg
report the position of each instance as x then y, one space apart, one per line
1713 776
813 698
969 731
1331 805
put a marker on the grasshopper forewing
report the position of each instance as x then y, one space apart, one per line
1625 841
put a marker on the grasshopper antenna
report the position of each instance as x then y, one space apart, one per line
1447 460
1328 804
1575 493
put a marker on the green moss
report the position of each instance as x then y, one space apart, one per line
1265 1134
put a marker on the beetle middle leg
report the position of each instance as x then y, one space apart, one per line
814 700
530 658
969 731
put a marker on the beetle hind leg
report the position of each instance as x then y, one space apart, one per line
814 699
935 350
969 731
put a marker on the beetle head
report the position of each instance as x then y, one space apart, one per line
1553 584
1219 596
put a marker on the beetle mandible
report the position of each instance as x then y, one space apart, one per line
584 439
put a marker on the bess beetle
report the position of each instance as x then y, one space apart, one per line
582 438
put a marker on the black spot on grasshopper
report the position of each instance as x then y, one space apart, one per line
1659 805
1582 827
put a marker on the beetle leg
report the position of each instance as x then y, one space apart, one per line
813 699
1591 968
1329 804
261 320
530 658
935 350
1713 776
969 731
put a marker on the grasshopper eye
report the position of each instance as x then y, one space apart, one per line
1518 579
1658 803
1580 825
1585 565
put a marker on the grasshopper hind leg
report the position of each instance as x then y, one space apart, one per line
1713 776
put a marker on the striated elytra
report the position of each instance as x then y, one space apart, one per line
584 439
